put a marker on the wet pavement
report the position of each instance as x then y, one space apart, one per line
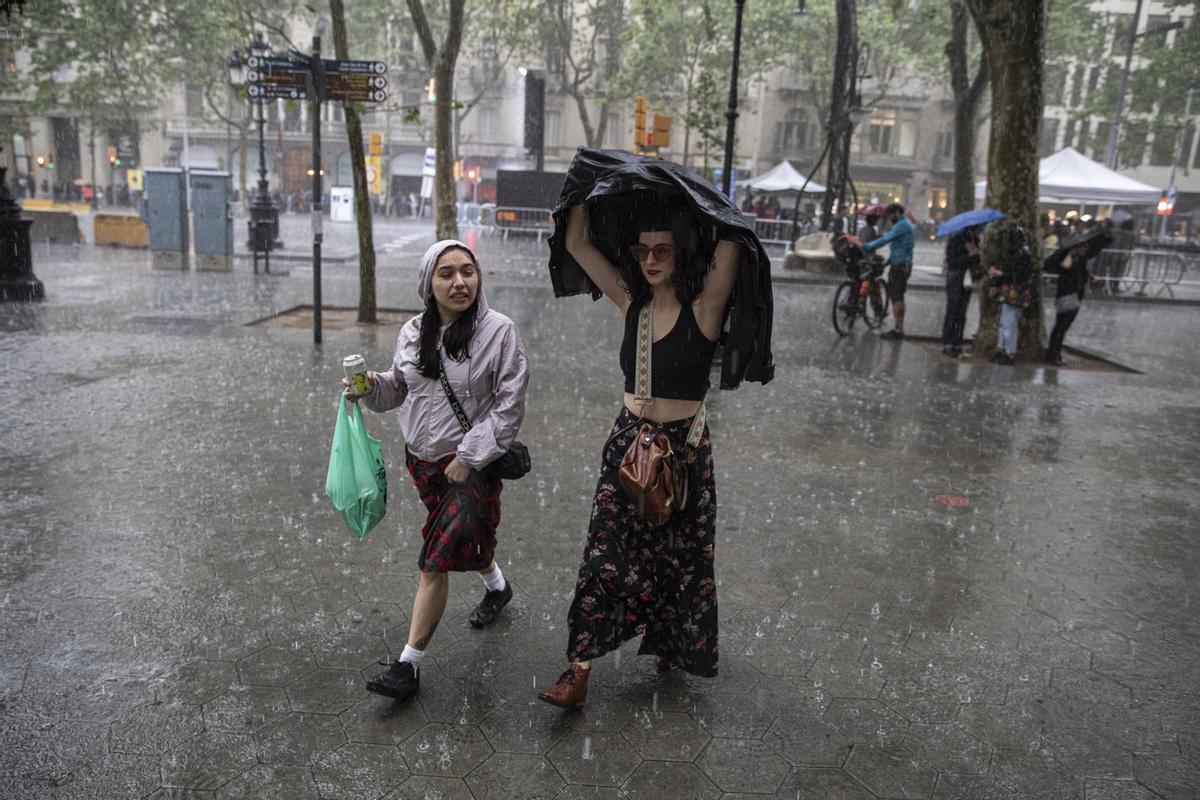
182 615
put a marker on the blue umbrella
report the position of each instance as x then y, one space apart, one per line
968 219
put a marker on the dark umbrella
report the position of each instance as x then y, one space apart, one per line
618 187
1096 240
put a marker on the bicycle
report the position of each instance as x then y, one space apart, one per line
864 294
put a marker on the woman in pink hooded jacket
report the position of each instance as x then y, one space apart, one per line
484 362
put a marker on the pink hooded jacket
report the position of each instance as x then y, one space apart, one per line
490 384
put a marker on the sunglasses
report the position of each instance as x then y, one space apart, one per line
662 252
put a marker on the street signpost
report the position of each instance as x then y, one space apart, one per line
296 76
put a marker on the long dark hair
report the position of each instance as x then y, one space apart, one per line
458 334
690 265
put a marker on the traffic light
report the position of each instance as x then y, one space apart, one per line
112 157
472 174
661 136
1166 207
639 122
50 161
40 160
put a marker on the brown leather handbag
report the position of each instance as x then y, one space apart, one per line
650 472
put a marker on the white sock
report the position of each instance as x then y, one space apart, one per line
494 580
413 656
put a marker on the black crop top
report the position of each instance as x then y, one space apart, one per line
679 362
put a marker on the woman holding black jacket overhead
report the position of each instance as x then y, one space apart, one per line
1071 268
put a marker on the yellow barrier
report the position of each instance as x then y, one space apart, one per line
46 204
120 230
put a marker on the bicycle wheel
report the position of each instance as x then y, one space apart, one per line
845 308
876 309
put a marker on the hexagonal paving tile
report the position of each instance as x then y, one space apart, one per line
654 780
816 783
866 721
326 691
947 747
891 771
379 720
197 681
228 642
528 727
455 701
1087 754
594 759
807 741
299 739
275 666
512 776
208 760
355 649
426 787
271 783
356 770
245 708
733 716
155 729
445 751
841 678
743 765
666 736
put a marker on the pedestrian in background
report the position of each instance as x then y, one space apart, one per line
1071 269
481 355
902 238
1014 280
962 258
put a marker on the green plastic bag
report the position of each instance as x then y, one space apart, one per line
357 479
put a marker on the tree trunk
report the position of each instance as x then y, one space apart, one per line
441 60
242 166
1013 34
358 168
968 92
840 127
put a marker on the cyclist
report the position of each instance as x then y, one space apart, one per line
902 238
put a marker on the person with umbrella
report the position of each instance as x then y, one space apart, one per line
902 238
962 258
1070 264
636 578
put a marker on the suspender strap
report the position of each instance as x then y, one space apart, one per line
641 373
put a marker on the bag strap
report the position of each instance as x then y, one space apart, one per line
642 370
464 421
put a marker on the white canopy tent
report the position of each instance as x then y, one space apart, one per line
781 178
1068 176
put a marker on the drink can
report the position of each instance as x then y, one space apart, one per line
356 373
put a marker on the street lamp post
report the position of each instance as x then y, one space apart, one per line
263 226
731 113
1179 145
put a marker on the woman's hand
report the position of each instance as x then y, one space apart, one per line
994 272
351 396
457 471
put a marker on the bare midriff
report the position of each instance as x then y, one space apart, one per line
663 409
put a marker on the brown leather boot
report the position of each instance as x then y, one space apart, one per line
570 691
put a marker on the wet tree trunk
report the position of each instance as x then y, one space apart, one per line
968 91
1013 33
358 168
442 61
839 130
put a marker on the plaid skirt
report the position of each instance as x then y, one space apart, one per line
657 582
460 532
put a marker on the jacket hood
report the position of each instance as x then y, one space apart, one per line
425 278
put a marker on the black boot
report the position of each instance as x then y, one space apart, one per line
400 681
485 613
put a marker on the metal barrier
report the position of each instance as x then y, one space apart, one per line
1136 270
475 215
523 220
773 231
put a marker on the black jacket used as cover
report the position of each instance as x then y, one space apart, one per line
615 184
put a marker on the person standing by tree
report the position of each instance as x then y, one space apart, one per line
479 353
962 257
1015 283
901 238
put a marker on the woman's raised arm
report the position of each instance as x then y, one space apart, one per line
718 285
602 271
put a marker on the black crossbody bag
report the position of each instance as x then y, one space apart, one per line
514 464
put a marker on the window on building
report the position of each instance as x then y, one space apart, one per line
1157 21
1049 136
906 147
1132 148
553 131
291 117
944 148
1055 83
487 124
1121 24
1069 134
1081 139
791 134
1162 151
1099 143
879 133
1077 78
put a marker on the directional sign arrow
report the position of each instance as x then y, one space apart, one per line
355 67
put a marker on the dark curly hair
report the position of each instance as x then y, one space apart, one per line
458 334
690 265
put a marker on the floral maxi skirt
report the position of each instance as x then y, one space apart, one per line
637 579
